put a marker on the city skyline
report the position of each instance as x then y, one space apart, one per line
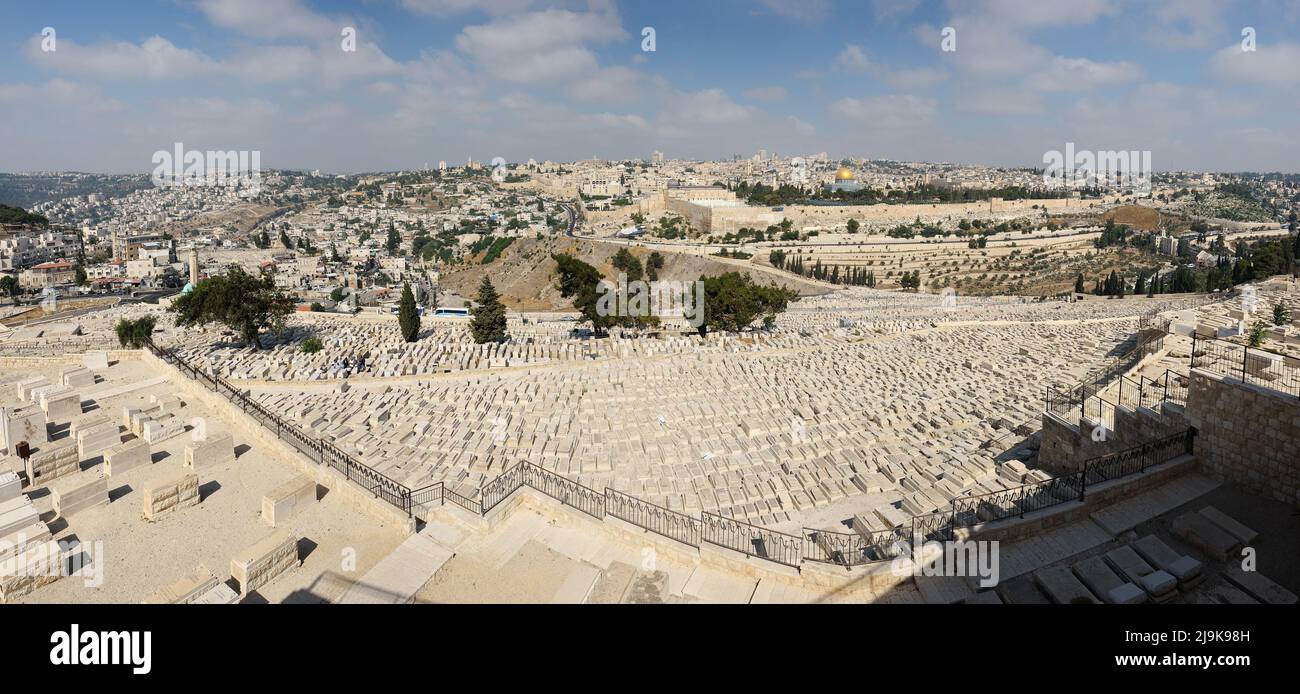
435 80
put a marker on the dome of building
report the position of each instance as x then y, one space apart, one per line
844 174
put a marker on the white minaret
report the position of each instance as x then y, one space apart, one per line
194 265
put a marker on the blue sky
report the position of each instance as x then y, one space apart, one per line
438 80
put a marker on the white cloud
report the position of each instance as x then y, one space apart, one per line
890 110
702 109
853 59
609 85
1078 74
1187 24
800 126
154 59
61 93
271 19
1270 64
771 93
540 47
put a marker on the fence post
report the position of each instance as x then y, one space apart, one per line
1083 480
1245 352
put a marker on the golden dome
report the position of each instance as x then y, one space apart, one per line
844 174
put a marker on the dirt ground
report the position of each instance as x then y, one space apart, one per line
132 558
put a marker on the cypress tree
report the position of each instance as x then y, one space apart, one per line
407 315
489 322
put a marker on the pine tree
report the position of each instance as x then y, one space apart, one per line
1078 284
489 323
407 315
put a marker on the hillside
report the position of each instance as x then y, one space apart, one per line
524 273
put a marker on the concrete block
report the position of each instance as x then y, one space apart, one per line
126 456
96 440
263 562
1231 525
171 494
287 500
186 589
61 407
40 564
17 514
157 431
49 464
10 486
77 377
23 424
79 492
1198 531
217 450
95 360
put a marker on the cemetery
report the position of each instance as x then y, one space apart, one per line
540 469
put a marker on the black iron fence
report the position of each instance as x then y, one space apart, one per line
752 540
323 452
564 490
1137 460
1036 496
656 519
1063 401
1246 364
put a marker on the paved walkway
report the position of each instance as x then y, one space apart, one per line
1129 513
397 577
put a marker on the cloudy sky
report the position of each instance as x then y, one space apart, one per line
434 80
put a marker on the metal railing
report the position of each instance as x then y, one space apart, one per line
1136 460
752 540
1061 402
657 519
1036 496
1246 364
322 452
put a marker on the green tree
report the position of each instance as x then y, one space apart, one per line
732 302
581 283
1255 337
9 285
243 302
629 264
394 241
1281 314
489 321
312 345
653 265
80 277
1078 284
408 317
853 226
133 333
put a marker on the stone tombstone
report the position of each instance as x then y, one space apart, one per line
200 431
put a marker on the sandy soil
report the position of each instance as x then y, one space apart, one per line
136 557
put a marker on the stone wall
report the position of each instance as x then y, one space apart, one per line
1249 436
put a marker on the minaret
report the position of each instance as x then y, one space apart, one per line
194 265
